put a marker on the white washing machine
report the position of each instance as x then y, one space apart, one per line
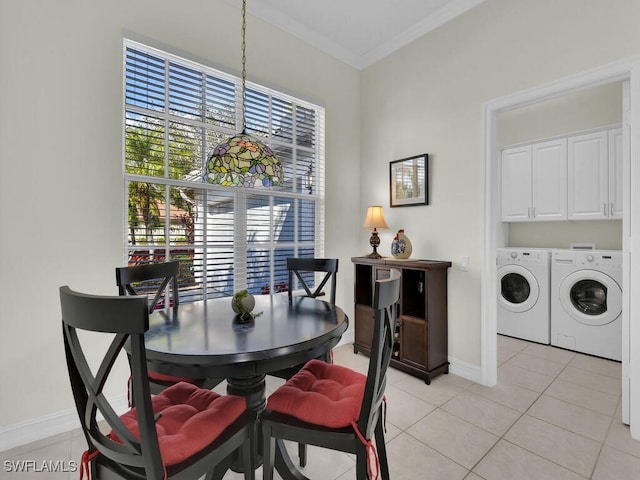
523 293
586 302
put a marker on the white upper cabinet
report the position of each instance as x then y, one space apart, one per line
534 182
549 182
574 177
588 176
615 173
516 184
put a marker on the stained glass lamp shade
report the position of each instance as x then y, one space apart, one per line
243 161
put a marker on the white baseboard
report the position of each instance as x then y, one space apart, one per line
457 367
35 429
465 370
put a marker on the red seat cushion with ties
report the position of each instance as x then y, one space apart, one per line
322 394
191 419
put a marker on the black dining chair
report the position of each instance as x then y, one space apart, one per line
334 407
153 279
160 282
182 433
304 270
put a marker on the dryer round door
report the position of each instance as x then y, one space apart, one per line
519 289
591 297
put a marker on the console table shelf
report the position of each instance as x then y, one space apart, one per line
422 324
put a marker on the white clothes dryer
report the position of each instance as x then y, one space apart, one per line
523 293
586 302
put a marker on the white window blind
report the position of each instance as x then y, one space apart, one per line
227 238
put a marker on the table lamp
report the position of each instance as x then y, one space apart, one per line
373 221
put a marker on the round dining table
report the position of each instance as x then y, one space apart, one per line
207 339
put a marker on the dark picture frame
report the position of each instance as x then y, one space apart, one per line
409 181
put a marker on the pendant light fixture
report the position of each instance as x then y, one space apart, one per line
242 160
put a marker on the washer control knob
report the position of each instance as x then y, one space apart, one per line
514 254
589 258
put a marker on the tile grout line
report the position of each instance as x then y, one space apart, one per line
602 445
501 437
558 426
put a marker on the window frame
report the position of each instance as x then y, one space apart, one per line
238 195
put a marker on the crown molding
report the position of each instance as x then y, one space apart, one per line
322 42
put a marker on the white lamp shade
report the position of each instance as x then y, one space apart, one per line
375 218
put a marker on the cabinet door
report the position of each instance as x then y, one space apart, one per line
615 173
516 184
549 180
413 343
588 176
364 326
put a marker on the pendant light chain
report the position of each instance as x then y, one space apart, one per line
244 63
242 160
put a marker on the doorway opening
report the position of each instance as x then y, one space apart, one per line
496 233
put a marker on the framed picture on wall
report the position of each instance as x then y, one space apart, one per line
408 181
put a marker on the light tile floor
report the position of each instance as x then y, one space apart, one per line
554 415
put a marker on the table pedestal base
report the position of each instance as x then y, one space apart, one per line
253 389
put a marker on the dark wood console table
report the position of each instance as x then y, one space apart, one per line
422 326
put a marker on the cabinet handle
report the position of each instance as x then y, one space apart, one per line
611 214
529 212
604 209
534 212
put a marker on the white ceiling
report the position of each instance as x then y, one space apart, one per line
357 32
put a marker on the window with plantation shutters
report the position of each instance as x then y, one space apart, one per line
227 238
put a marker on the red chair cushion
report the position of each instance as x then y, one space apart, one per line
192 418
322 394
169 379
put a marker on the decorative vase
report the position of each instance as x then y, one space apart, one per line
401 245
243 304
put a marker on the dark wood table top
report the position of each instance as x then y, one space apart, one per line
206 339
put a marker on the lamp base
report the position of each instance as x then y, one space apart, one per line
374 241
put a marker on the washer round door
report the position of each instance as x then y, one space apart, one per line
591 297
519 289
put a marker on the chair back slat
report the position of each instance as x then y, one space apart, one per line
299 266
100 314
385 305
127 319
166 273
